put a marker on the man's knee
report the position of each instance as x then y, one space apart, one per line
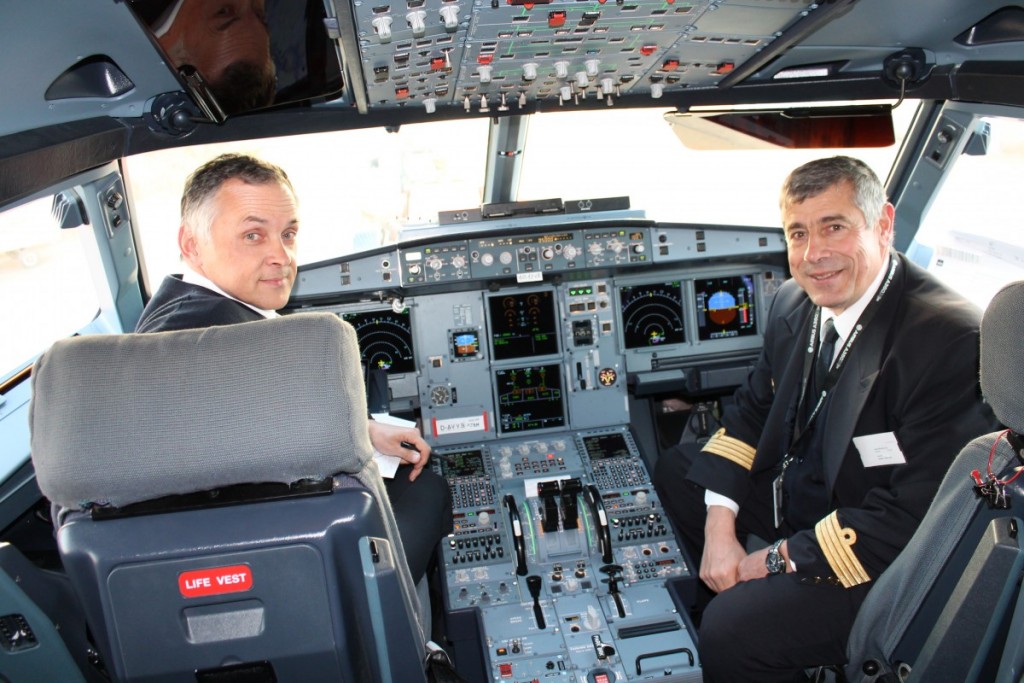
732 643
438 497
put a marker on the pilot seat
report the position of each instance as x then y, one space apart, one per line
950 608
219 513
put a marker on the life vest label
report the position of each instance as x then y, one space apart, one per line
215 581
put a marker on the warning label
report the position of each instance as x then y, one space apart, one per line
215 581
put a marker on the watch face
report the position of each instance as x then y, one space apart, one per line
774 561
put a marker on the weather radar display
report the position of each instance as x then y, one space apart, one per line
385 340
725 307
652 314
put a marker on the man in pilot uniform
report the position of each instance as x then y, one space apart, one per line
865 390
238 235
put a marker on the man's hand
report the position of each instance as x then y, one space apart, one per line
387 439
719 566
753 565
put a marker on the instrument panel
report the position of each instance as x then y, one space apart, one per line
499 56
562 551
521 353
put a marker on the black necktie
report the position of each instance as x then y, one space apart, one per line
824 362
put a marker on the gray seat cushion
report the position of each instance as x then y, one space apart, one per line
270 401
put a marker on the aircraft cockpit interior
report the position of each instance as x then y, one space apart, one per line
524 345
549 236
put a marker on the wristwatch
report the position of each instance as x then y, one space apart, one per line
775 562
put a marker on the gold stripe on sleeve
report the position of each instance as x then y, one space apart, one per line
837 544
731 449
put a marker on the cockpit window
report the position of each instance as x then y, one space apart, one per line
634 152
46 281
970 236
356 188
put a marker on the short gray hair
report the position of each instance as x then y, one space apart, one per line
816 176
202 185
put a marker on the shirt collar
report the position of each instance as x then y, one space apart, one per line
846 320
194 278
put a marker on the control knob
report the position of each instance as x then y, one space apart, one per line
450 14
382 25
417 22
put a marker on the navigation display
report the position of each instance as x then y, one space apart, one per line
468 463
529 398
725 307
523 325
385 340
652 314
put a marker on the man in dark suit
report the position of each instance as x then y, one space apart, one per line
835 444
238 235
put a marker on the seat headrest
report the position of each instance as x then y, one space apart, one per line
118 419
1002 359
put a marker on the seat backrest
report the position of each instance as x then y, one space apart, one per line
221 518
941 610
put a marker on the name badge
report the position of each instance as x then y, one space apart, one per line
879 450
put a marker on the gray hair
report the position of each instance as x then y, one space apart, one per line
816 176
202 186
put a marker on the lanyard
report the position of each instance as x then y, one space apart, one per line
813 347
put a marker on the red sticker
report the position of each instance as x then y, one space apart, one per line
215 581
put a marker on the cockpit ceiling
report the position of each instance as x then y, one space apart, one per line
411 59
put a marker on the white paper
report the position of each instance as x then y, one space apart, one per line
877 450
388 464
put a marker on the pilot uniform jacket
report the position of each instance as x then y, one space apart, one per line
912 372
179 305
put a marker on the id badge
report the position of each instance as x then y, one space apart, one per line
777 498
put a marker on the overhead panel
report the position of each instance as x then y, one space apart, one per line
499 55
